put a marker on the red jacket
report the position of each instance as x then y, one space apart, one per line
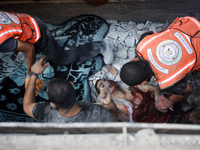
19 26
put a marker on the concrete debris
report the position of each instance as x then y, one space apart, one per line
125 36
152 28
147 25
112 70
131 54
112 21
110 76
161 27
120 46
104 69
121 29
140 26
122 53
122 35
112 35
130 41
117 63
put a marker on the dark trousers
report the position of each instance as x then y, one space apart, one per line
49 47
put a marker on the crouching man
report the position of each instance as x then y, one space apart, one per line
62 107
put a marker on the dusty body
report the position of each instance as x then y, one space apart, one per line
133 104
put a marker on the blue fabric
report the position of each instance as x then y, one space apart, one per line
76 31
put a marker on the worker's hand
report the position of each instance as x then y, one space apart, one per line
163 104
39 66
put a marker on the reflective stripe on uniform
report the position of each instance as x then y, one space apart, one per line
10 31
37 29
152 39
177 73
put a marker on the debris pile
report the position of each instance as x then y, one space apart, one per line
125 36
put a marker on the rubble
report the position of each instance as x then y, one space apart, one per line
125 36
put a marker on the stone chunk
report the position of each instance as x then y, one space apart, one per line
140 26
130 41
112 35
122 53
122 35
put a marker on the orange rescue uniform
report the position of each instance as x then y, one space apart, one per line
173 53
18 26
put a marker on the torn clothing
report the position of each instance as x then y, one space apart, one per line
43 112
147 112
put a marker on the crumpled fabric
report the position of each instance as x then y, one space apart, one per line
163 104
38 87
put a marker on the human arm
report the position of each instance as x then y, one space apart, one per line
167 100
108 103
29 51
177 98
29 96
13 44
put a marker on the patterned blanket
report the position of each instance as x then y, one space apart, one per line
74 32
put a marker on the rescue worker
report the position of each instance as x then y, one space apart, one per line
63 107
28 34
170 56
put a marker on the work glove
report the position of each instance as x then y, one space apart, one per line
163 104
38 87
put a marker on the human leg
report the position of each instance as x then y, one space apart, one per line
48 46
81 53
90 50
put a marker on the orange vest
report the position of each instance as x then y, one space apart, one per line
19 26
174 52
